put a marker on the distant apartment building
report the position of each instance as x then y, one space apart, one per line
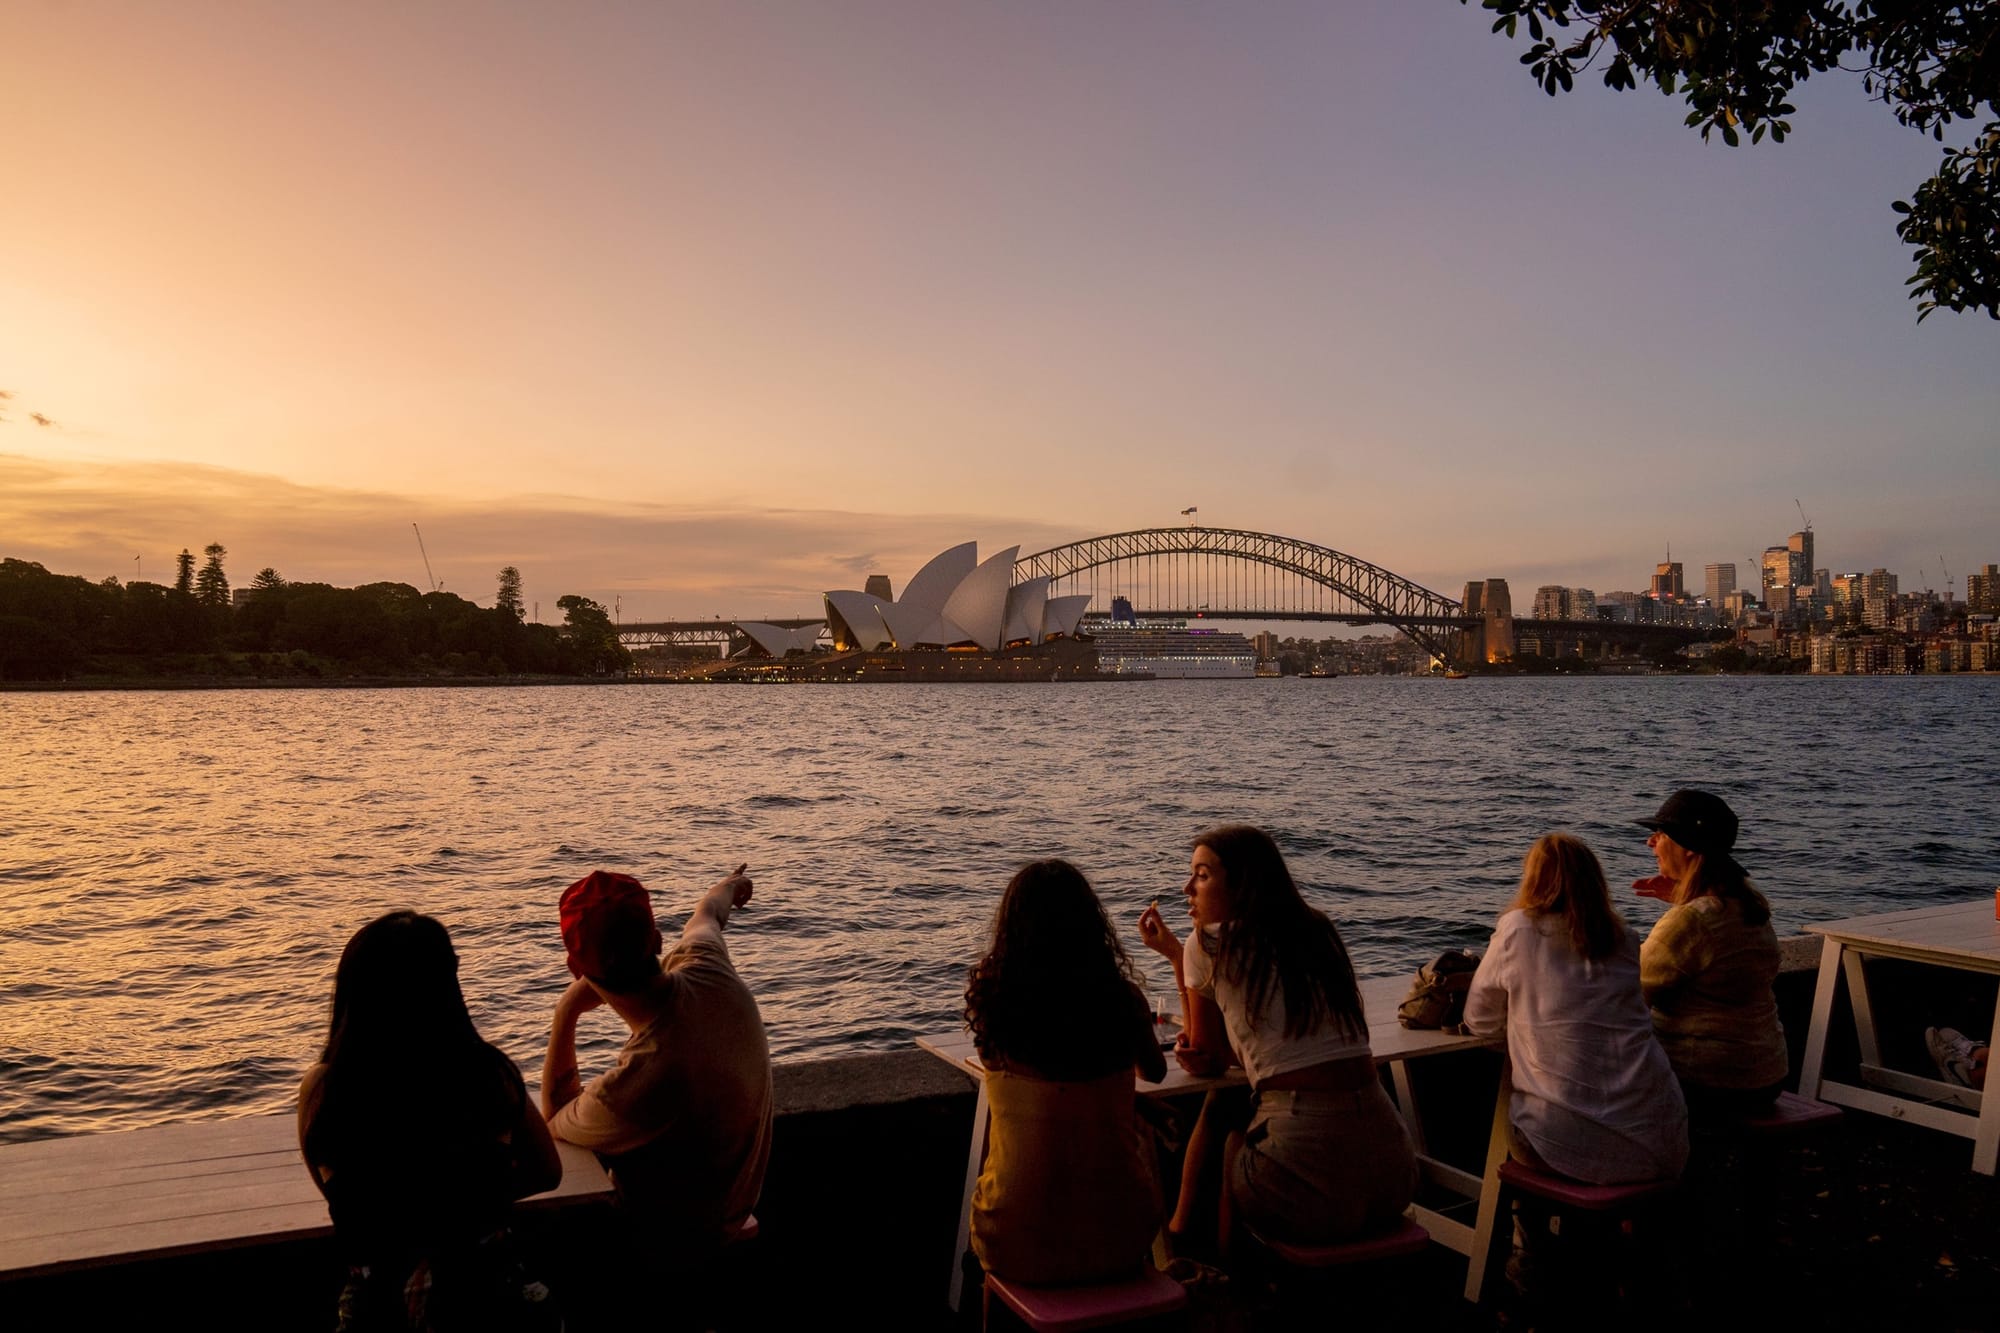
1266 645
1982 591
1628 608
1555 602
1667 585
1719 582
1879 582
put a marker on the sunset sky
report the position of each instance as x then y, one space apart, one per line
711 307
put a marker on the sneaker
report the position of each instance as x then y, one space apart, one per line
1952 1050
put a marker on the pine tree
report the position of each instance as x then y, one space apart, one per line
267 580
184 579
211 586
508 599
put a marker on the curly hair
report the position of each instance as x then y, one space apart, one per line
1055 993
1273 937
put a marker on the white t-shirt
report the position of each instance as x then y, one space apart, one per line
1259 1039
1593 1092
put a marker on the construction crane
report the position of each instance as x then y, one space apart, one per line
1802 514
1947 582
435 585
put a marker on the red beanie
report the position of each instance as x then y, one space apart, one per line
607 920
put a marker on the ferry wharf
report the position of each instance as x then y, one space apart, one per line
1874 1222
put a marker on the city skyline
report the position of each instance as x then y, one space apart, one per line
553 288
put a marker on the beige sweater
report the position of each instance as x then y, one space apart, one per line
1707 974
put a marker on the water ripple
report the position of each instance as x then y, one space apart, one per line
170 916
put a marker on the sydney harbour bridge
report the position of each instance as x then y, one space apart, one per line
1225 574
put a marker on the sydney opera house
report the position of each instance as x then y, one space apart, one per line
959 618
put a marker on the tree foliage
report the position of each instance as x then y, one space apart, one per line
55 626
211 586
507 597
591 636
1736 62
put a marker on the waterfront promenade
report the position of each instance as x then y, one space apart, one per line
1874 1224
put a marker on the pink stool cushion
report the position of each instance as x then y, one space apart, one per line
1090 1305
1789 1113
1577 1194
1407 1238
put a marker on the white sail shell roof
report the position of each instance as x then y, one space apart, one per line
777 640
906 623
979 603
1061 615
862 615
957 599
1024 610
932 586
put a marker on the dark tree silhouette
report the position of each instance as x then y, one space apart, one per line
211 586
507 599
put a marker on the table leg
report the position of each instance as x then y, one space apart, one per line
1406 1102
1489 1196
1810 1072
1864 1011
975 1157
1986 1142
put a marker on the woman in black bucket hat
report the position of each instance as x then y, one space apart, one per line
1708 966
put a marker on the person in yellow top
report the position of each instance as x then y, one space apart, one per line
1707 967
1068 1192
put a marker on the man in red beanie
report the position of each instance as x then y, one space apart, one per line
683 1119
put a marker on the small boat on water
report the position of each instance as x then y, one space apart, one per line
1453 673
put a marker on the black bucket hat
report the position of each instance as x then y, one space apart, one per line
1700 821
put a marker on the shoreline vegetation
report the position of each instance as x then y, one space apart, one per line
64 631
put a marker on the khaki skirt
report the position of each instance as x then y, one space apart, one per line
1321 1167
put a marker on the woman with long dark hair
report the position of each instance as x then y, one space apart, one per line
1068 1192
1710 963
421 1136
1266 982
1593 1096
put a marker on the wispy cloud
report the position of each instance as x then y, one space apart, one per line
40 420
663 560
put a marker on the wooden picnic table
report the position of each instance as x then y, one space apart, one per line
1393 1045
1963 936
96 1199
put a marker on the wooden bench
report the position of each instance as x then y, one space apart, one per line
99 1199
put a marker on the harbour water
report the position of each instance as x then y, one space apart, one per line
179 871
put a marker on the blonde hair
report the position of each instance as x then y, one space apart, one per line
1560 876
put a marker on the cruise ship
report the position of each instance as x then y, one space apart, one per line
1169 650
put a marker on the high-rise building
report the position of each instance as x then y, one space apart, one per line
1551 602
1982 591
1721 581
1582 604
1777 569
1799 558
1879 582
1667 581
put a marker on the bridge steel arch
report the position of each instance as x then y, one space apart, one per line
1433 621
